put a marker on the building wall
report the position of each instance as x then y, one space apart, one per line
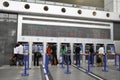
116 30
112 5
79 2
8 34
108 5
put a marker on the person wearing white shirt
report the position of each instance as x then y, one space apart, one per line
101 50
101 53
20 54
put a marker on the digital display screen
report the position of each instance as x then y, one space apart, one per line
63 31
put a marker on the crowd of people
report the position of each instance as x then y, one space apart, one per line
51 50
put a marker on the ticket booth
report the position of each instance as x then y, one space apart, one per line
81 51
87 49
110 51
37 53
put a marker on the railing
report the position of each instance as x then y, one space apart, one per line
61 4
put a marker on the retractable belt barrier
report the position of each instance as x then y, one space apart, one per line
46 64
79 63
92 60
67 70
105 63
25 66
28 62
119 63
104 59
62 64
88 70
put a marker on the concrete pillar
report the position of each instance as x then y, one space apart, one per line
83 57
30 54
71 47
44 51
58 51
95 52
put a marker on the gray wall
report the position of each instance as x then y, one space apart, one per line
95 3
116 30
8 35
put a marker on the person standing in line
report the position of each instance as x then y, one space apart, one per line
69 55
16 53
63 52
91 54
49 52
54 54
101 53
36 55
20 54
77 53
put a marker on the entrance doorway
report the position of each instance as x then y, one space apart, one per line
37 50
52 53
81 50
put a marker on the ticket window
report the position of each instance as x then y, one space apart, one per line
110 48
25 47
74 47
38 47
64 44
98 46
87 48
51 45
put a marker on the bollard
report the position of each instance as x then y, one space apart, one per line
105 65
119 63
28 65
88 63
79 64
62 66
115 60
46 64
67 71
25 69
92 60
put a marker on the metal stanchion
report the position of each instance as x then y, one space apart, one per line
92 60
46 64
115 60
79 64
119 63
28 65
62 64
105 64
88 63
25 69
67 71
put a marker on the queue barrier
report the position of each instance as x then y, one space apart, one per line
62 64
67 69
25 67
46 64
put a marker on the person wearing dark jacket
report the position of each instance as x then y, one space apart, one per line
68 54
91 54
54 54
77 53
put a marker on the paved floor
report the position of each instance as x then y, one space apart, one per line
57 73
14 73
81 74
